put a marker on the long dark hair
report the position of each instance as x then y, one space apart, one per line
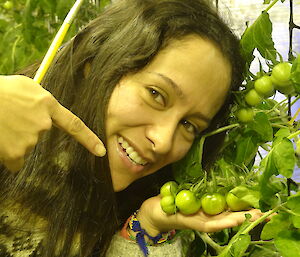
61 181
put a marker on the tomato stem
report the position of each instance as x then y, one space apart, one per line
294 135
271 5
247 229
217 131
207 239
261 242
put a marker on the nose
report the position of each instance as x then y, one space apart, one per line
162 135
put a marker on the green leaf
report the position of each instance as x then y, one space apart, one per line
264 251
247 194
288 243
283 132
247 146
268 183
277 224
293 202
258 35
284 157
241 245
189 167
295 74
296 221
262 126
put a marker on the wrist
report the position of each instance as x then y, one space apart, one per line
132 230
147 225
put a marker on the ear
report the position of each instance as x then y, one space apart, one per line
87 69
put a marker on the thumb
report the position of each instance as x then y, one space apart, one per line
70 123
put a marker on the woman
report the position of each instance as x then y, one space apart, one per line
147 76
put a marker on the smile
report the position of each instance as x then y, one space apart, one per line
132 155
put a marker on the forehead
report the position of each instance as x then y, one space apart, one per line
197 69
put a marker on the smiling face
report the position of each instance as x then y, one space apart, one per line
154 114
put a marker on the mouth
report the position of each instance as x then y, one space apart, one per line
132 155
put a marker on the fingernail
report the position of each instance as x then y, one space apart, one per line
100 150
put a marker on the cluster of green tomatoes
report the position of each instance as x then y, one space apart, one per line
187 202
264 87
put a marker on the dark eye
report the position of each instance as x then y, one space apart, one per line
156 96
189 127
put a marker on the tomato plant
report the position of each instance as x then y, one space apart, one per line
213 204
28 27
187 202
169 188
249 176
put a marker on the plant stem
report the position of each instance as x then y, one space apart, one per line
261 219
261 242
219 130
295 116
270 6
248 229
278 126
294 135
207 239
289 211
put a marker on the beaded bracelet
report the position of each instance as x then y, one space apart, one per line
134 225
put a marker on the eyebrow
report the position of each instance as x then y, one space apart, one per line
172 83
177 89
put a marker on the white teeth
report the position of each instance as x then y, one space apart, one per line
129 150
120 140
133 155
125 144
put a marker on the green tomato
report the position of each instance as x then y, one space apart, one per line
245 115
8 5
213 204
253 98
281 74
187 202
264 86
235 203
167 203
169 188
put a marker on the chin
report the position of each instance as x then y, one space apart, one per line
121 185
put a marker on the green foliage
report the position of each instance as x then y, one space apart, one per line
27 29
259 35
277 224
288 243
265 184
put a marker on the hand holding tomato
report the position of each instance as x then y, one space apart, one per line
27 110
154 220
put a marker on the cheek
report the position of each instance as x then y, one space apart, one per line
180 149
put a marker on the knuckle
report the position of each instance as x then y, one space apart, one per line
46 124
48 99
76 125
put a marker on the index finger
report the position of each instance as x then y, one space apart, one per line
70 123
